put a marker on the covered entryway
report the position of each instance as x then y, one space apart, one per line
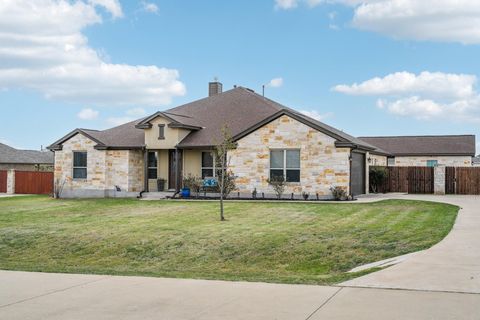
3 181
357 174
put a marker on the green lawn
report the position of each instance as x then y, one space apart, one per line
275 242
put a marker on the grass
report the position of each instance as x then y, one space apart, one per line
273 242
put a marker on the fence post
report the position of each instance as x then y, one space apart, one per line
439 180
11 181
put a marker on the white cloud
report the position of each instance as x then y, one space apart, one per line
439 20
286 4
88 114
112 6
316 115
275 83
425 96
136 112
431 84
149 7
42 48
116 121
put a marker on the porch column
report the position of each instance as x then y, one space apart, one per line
11 181
145 170
177 171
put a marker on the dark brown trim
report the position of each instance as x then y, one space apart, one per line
103 147
183 126
433 154
57 145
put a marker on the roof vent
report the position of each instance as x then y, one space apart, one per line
214 88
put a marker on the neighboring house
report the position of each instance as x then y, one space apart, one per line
25 160
476 161
430 151
271 140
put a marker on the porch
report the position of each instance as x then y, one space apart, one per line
165 168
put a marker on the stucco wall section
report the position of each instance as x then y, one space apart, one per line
172 135
192 163
452 161
322 164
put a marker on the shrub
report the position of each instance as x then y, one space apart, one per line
377 177
338 193
278 185
194 183
228 183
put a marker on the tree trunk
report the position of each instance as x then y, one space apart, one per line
222 217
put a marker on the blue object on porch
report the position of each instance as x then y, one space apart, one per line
209 182
185 192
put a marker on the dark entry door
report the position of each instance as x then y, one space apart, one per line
3 181
172 168
357 176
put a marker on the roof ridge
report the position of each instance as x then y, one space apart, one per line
420 136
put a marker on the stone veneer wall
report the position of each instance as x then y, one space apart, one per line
449 161
105 170
377 160
322 164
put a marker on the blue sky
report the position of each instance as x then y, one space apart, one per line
96 63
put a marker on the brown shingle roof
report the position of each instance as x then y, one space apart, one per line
15 156
240 109
425 145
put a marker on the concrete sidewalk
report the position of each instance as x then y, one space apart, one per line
25 295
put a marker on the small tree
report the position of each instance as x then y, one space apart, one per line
226 179
278 185
377 178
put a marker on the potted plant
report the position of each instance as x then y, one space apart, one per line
191 183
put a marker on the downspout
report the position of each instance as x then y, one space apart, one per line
177 187
350 158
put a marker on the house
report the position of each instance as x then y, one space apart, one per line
430 151
156 152
476 161
271 140
25 160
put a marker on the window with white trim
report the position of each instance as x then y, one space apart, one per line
285 164
79 165
391 161
208 164
152 165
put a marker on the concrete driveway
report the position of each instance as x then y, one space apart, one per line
439 283
453 265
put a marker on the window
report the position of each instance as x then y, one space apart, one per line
432 163
208 166
79 165
152 165
161 131
390 161
285 164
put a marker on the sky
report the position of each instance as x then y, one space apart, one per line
367 67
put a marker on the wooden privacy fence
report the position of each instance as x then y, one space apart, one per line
33 182
3 181
406 179
462 180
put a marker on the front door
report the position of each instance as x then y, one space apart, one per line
172 169
357 174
